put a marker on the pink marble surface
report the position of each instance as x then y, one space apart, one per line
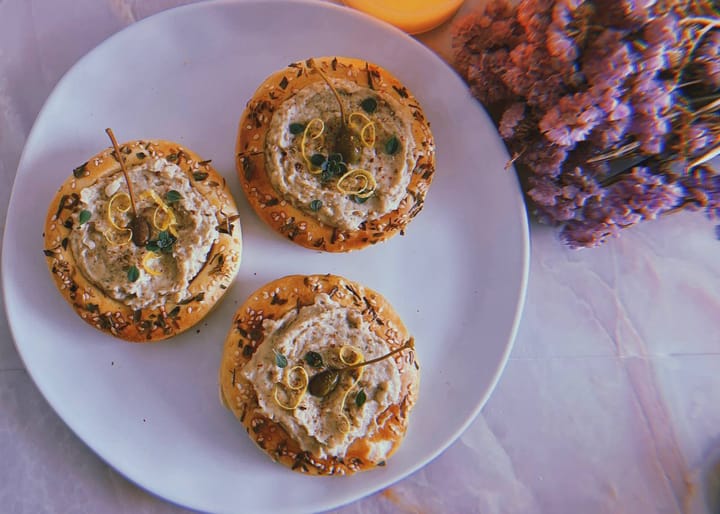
609 403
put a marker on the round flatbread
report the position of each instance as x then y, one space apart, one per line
284 337
328 180
171 279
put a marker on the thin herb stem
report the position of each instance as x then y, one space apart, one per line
122 167
410 343
708 107
701 20
334 91
711 154
616 153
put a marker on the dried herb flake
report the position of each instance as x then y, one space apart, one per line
80 170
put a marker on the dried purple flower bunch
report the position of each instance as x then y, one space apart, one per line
611 108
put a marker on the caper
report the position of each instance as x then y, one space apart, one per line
324 382
140 230
348 145
138 225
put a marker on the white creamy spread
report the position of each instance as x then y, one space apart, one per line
107 264
289 173
316 422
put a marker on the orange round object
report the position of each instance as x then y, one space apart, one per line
412 16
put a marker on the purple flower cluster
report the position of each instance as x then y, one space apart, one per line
601 104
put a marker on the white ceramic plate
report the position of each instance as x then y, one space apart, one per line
152 411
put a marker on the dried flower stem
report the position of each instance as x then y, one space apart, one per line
514 158
712 106
623 150
122 167
701 20
703 98
711 154
695 44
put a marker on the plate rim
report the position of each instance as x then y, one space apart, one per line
362 492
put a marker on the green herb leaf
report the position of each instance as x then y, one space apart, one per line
333 167
199 176
280 360
315 205
392 145
317 159
359 199
360 398
84 217
163 244
369 105
133 273
172 196
296 128
314 359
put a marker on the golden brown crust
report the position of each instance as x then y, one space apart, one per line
114 317
274 300
294 223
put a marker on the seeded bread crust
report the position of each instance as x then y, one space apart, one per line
279 213
114 317
274 300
